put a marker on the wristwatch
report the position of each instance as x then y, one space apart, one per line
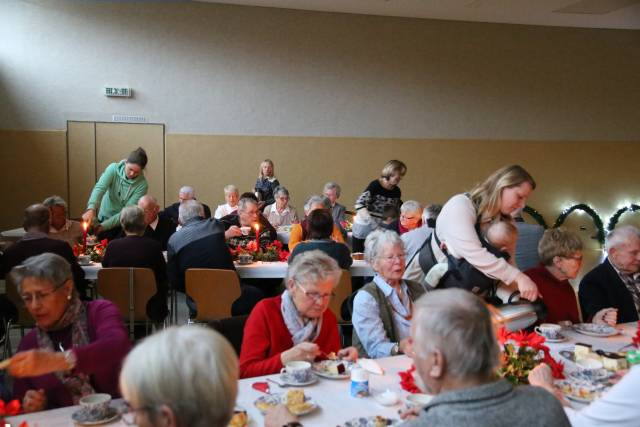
395 350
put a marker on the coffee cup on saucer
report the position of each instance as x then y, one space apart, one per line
84 259
550 331
245 258
245 230
297 371
95 406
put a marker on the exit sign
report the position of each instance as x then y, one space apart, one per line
118 91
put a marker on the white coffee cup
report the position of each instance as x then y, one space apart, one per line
245 230
84 259
549 330
297 371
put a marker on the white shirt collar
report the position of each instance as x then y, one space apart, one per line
154 224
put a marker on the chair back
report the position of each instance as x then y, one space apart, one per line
342 291
129 289
232 328
213 291
24 318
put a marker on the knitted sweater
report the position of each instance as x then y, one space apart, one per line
266 336
114 191
376 198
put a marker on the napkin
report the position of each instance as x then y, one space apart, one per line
371 366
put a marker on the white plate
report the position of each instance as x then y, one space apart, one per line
370 422
79 420
578 399
287 380
318 369
561 338
276 399
592 375
594 330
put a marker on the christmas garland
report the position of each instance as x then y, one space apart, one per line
613 221
587 209
537 216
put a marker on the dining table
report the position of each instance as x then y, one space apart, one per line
254 270
335 405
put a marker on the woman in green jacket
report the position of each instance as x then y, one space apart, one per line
121 184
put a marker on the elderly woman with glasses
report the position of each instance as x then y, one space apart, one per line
75 349
560 252
297 325
186 376
281 212
382 309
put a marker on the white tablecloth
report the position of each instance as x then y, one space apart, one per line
14 234
256 270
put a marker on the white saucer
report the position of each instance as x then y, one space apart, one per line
288 381
562 338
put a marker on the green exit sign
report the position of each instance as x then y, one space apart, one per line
118 91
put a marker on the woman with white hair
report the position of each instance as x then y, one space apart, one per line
186 376
300 232
281 212
296 325
383 308
231 196
410 218
465 217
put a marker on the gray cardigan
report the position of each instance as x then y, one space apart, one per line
498 404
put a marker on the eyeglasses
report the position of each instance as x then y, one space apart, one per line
575 257
29 299
391 258
128 413
315 296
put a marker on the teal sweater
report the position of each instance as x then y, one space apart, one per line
114 191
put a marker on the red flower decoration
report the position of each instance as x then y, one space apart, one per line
408 382
284 255
9 409
635 341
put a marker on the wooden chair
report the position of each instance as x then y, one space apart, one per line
129 289
24 320
213 291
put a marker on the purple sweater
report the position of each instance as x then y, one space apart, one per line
101 358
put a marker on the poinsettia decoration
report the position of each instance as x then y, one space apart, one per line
9 410
271 252
635 341
523 351
96 252
407 380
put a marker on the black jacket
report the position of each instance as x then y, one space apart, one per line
164 229
603 288
172 212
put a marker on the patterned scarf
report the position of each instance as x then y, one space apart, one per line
301 329
78 384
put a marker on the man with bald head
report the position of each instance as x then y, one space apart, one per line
159 226
186 193
36 241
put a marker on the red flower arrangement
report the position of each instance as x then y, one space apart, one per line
271 252
96 252
9 410
521 352
635 341
407 380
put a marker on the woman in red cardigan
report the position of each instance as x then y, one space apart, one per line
560 252
295 325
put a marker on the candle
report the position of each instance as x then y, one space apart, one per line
85 227
257 227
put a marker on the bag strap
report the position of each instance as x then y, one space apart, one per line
427 240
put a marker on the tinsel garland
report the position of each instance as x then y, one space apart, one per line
537 216
589 211
613 221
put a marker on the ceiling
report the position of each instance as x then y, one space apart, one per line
618 14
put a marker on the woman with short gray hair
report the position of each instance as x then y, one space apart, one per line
410 218
281 213
297 325
60 226
76 347
231 197
182 376
382 309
